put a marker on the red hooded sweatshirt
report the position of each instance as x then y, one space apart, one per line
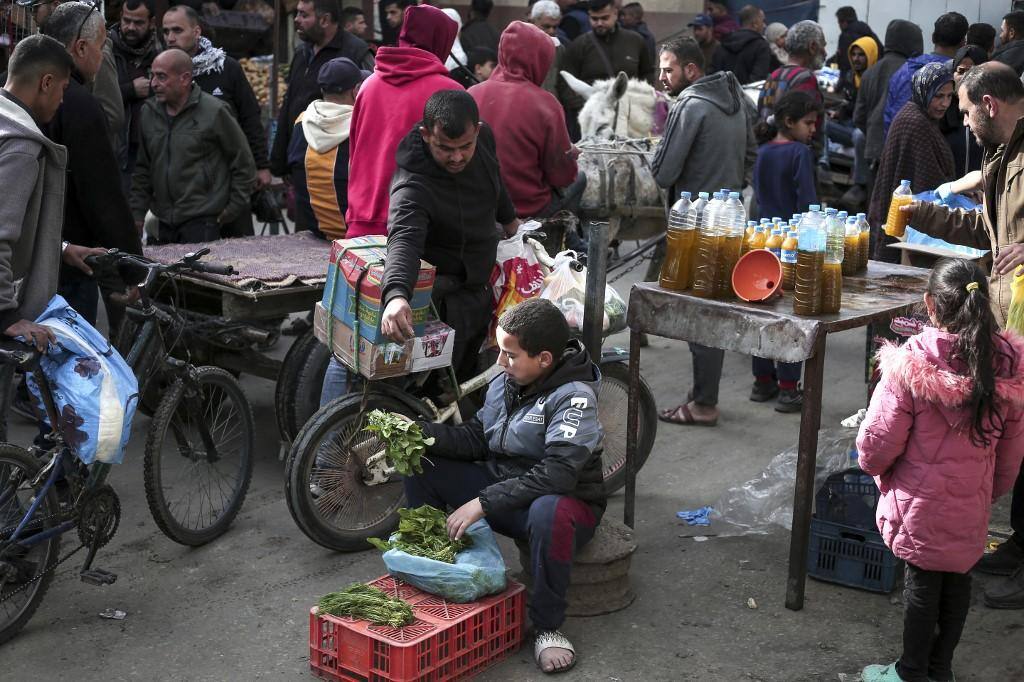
528 122
389 104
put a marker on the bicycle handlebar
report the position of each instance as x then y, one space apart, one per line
190 261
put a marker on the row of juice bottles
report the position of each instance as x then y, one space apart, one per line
706 238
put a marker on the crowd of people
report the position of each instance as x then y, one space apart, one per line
444 135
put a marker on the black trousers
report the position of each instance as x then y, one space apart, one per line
936 605
1017 509
190 232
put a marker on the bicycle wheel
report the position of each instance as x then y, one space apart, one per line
297 394
20 565
612 410
198 460
325 480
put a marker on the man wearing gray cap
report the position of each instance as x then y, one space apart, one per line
318 150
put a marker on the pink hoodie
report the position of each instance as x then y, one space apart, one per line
937 487
389 104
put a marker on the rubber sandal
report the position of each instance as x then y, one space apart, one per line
681 415
550 639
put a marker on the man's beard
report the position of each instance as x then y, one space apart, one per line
314 34
133 39
683 84
984 130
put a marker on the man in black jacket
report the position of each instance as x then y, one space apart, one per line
745 52
446 198
96 212
221 76
850 28
316 23
1011 41
529 462
135 45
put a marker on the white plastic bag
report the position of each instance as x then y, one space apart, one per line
517 276
566 287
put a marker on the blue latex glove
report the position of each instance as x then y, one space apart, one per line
943 191
696 517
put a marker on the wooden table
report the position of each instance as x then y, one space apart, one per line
768 330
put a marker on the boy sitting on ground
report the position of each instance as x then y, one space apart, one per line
528 462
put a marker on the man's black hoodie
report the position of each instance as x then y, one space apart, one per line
1011 54
447 219
746 53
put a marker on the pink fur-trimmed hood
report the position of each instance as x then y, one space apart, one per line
923 367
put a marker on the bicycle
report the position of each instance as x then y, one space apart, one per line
338 485
39 503
199 450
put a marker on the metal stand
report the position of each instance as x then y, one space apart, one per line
597 272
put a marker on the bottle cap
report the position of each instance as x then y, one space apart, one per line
702 195
815 207
830 211
751 223
734 195
905 183
684 195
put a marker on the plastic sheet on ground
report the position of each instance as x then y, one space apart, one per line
766 502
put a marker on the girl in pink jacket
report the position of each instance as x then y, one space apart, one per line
943 437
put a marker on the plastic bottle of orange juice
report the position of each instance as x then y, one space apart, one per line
788 258
774 242
896 220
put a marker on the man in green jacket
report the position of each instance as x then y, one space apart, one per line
194 170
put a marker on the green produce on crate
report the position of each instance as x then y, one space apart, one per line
404 443
367 603
422 532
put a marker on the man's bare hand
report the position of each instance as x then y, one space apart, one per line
464 517
1008 258
74 255
512 227
141 87
36 334
396 324
263 178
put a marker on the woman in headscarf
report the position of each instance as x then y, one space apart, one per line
966 151
915 149
775 34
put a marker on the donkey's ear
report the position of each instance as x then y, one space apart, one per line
620 85
576 85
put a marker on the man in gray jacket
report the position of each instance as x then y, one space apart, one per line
32 211
708 145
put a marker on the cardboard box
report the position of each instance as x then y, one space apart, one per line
373 361
431 350
358 264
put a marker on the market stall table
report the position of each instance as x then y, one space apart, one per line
768 330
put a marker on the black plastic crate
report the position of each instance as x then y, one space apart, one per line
848 498
850 556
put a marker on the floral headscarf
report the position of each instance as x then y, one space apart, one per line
928 80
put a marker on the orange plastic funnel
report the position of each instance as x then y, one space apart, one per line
757 275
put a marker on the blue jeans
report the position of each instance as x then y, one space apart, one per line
335 382
554 525
850 136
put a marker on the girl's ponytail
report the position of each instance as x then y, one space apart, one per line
960 292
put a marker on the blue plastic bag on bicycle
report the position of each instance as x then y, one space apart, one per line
477 572
95 391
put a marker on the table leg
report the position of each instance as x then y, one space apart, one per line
807 452
632 426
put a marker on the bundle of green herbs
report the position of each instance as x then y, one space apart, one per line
367 603
422 532
404 443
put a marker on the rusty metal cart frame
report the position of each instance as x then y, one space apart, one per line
771 331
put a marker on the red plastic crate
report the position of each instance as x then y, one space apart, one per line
447 641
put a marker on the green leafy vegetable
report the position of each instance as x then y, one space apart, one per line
367 603
422 532
404 443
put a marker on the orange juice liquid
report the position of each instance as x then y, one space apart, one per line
851 254
705 264
677 270
896 220
788 259
865 249
807 283
774 244
728 254
831 287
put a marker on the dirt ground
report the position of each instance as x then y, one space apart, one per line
237 609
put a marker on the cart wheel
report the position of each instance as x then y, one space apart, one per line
299 384
612 409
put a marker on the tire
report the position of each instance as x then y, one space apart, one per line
18 466
174 438
299 384
338 477
612 409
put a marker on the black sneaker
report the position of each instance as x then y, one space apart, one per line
763 391
790 400
1007 593
1008 557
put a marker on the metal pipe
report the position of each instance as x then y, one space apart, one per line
632 428
807 454
597 271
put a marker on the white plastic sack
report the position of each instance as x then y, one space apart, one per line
95 390
566 287
762 503
477 572
517 276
